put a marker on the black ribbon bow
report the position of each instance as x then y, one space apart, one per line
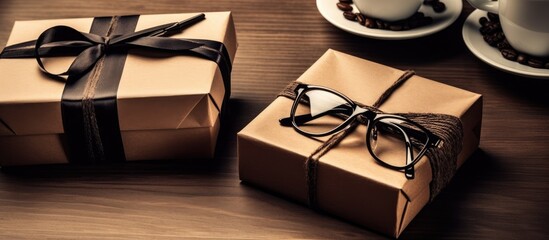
89 47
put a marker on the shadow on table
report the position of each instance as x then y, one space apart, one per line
450 213
423 51
521 89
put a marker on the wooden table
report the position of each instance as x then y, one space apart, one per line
502 192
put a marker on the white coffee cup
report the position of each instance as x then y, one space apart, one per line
388 10
525 23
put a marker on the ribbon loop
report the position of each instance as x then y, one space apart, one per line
89 48
59 37
85 60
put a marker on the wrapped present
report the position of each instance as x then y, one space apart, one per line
111 89
336 173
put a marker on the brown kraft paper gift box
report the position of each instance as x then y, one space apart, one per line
350 183
168 107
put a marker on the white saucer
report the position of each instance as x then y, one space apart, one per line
491 55
330 12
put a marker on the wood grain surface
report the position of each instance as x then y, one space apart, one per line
502 192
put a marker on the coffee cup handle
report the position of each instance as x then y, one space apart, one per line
486 5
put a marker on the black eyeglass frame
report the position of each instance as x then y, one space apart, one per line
373 119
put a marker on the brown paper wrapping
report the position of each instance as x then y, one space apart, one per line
351 185
166 106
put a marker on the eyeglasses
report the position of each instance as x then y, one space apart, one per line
394 141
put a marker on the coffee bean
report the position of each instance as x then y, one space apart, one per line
349 15
503 44
535 63
439 7
509 54
487 30
493 17
370 23
379 24
498 37
425 21
490 40
522 59
492 27
396 27
417 15
413 23
361 19
344 6
494 39
483 30
483 21
346 1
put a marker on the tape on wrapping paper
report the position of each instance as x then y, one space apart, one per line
443 160
89 105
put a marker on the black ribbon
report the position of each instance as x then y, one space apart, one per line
90 116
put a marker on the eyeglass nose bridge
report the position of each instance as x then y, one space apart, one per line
358 110
364 115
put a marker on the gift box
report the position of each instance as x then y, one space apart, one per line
350 184
146 96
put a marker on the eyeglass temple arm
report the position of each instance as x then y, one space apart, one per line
409 172
413 133
302 119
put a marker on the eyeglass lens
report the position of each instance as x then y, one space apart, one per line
325 111
388 138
